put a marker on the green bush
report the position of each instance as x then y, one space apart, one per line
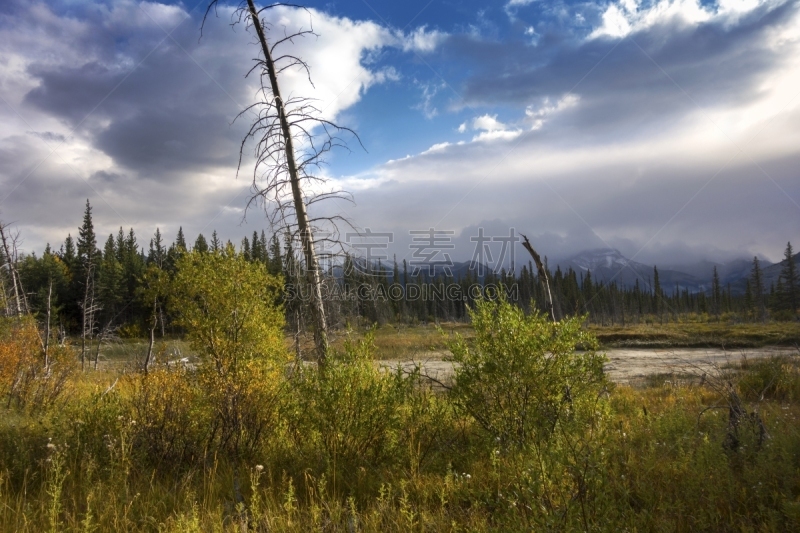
776 378
352 408
228 308
522 377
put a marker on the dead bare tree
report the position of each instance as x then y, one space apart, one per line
149 355
89 310
552 305
18 306
291 139
47 326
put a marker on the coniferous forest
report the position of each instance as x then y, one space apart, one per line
95 285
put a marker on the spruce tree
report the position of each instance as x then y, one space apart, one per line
656 292
716 293
68 254
275 259
749 303
110 280
180 240
87 240
200 244
158 252
246 249
264 248
788 295
757 286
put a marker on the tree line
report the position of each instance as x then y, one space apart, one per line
121 289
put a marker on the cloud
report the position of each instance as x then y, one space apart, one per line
140 108
687 135
628 124
537 116
427 102
627 16
421 40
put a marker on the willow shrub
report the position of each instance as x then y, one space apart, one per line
536 390
25 382
522 378
350 413
228 308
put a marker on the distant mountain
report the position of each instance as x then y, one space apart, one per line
609 265
429 271
731 273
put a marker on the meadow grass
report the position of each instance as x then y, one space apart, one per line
354 449
699 334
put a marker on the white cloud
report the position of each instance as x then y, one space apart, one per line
438 147
496 135
422 40
488 123
426 104
538 116
622 18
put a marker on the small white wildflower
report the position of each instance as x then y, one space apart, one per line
259 468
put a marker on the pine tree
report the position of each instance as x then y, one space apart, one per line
87 240
264 248
255 249
656 292
749 303
716 293
180 240
788 295
757 286
158 252
110 280
68 254
246 249
275 259
119 245
216 245
200 244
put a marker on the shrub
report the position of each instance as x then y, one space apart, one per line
169 427
24 380
227 305
523 377
776 378
352 407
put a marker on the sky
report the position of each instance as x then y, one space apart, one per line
669 130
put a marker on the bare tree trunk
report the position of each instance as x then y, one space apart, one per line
88 314
298 354
306 236
106 330
47 327
12 269
97 350
152 337
6 299
555 311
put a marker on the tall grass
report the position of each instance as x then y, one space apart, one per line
354 448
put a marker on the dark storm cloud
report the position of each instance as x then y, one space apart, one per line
48 136
157 114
